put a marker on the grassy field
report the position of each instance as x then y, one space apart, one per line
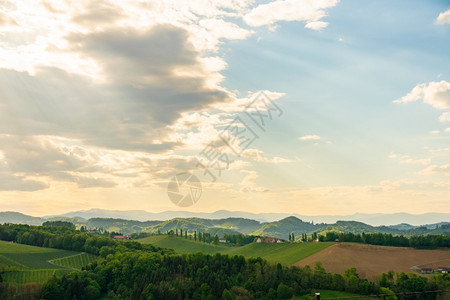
76 261
30 257
37 264
283 253
182 246
36 275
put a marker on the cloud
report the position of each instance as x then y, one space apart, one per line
9 182
103 94
408 160
278 160
310 138
444 117
150 78
258 155
318 25
38 162
254 154
437 169
6 20
310 12
443 17
436 94
95 13
248 183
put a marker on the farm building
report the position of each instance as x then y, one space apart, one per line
122 237
268 240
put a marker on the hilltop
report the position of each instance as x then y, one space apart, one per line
371 219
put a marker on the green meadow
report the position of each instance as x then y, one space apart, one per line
37 264
285 253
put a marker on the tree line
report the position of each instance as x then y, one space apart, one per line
387 239
67 238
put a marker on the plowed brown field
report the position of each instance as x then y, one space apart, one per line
371 261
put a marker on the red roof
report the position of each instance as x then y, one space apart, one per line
122 237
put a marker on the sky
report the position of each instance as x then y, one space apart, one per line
310 107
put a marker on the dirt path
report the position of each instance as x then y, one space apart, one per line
371 261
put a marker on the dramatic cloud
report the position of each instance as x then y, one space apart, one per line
437 94
444 17
149 79
310 12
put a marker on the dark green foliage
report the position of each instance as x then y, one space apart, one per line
425 241
59 224
283 291
239 239
67 238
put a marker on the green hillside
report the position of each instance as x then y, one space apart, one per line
19 218
37 264
355 227
75 262
282 229
35 275
181 245
284 253
30 257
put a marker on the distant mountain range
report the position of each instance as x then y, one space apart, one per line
371 219
221 223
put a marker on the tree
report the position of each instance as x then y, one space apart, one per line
52 290
226 295
284 291
388 294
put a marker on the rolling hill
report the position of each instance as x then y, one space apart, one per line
371 219
25 263
284 253
232 225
